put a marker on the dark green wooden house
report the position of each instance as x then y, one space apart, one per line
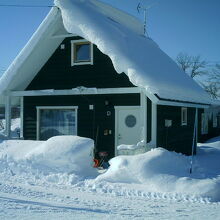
67 86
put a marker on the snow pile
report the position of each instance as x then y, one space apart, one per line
168 172
67 160
130 51
15 128
138 148
60 156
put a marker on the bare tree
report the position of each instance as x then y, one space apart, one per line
213 83
195 66
212 88
215 74
192 65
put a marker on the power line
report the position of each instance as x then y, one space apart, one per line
29 6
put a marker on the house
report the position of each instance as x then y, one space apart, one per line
209 122
89 71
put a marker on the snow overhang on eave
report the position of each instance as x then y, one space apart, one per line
171 102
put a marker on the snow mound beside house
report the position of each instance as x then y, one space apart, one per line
67 160
163 171
15 128
71 156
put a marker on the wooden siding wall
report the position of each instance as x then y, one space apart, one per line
177 137
58 73
91 123
212 131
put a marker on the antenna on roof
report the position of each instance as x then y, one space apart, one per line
139 8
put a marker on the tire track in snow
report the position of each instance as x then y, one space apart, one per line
50 205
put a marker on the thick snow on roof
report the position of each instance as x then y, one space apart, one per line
131 52
117 34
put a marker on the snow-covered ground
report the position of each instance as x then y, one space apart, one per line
55 180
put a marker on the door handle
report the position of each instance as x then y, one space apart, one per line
119 136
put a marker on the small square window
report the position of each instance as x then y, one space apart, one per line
183 116
81 52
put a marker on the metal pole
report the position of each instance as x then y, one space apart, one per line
193 143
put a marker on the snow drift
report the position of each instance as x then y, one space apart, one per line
168 172
67 160
58 155
15 128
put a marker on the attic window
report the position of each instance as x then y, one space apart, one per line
183 116
81 52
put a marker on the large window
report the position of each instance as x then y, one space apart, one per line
54 121
183 116
81 52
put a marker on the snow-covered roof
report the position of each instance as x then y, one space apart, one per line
116 34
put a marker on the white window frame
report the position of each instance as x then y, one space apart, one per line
73 42
75 108
183 121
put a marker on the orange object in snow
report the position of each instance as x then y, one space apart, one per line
96 163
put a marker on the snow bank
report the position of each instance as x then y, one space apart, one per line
130 51
15 128
168 172
138 148
58 156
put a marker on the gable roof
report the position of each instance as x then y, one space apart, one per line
116 34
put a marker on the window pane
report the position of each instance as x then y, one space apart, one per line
55 122
82 52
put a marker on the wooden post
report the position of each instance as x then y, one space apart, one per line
22 117
8 116
154 125
144 116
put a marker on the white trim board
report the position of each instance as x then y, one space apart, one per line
144 115
76 91
8 116
22 117
103 91
153 142
75 108
182 104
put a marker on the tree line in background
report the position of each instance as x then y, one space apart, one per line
207 75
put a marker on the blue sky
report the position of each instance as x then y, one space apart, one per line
191 26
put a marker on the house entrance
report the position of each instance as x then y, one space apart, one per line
127 125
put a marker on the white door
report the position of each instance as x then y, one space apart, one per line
128 126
